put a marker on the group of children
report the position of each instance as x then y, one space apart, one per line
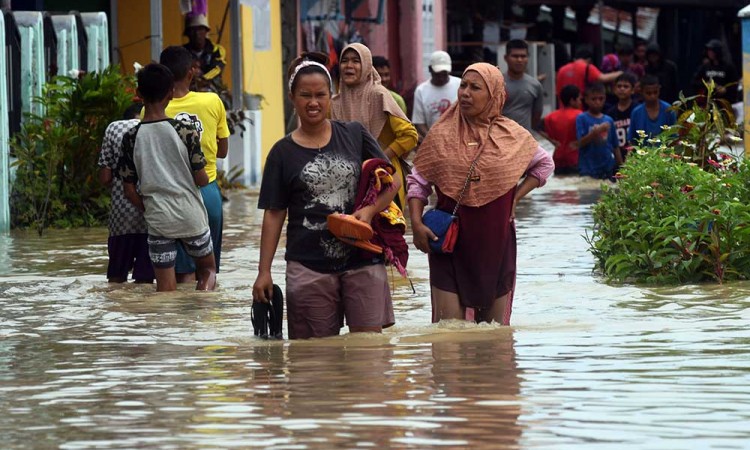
593 141
162 225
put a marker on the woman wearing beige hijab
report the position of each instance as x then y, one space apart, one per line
363 99
481 271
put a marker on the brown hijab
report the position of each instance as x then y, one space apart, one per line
507 148
368 102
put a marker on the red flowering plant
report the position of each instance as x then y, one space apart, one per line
670 219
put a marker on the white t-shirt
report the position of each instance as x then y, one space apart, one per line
431 101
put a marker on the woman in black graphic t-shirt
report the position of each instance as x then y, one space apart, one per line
309 174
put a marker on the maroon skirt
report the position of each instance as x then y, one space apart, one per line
482 266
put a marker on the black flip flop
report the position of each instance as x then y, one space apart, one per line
267 318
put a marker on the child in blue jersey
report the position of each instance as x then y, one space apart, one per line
599 150
652 114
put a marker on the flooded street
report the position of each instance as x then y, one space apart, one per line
85 364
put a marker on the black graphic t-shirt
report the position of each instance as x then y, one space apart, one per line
723 74
311 184
622 121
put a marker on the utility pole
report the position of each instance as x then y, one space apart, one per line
156 30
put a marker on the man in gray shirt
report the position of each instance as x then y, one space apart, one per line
524 102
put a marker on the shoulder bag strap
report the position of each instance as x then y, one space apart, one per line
471 170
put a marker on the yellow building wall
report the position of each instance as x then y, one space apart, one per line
134 22
261 69
262 75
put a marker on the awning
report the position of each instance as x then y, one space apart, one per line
713 4
645 19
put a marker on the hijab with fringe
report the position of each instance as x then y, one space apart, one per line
368 102
507 148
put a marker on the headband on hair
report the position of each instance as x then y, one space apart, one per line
308 63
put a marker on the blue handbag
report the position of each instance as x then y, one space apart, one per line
444 225
441 222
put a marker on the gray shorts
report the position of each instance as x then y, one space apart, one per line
163 251
318 303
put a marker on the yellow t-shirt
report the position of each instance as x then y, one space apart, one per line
206 111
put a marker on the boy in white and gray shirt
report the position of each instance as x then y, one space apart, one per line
164 156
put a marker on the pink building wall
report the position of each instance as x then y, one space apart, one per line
375 35
441 22
404 32
410 31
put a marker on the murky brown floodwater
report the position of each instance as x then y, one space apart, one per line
87 365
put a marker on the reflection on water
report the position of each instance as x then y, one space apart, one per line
84 364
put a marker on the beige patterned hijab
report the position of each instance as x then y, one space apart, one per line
368 102
507 148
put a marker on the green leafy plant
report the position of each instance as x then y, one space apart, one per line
680 211
230 180
236 119
56 173
669 221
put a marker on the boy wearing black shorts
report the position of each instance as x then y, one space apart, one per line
127 247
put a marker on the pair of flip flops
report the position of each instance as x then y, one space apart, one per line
353 231
267 317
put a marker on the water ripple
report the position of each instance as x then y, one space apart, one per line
85 364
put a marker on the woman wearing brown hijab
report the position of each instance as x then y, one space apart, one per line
363 99
481 271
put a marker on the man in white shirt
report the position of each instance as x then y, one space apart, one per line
434 96
524 102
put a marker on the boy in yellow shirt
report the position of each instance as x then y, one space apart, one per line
206 112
